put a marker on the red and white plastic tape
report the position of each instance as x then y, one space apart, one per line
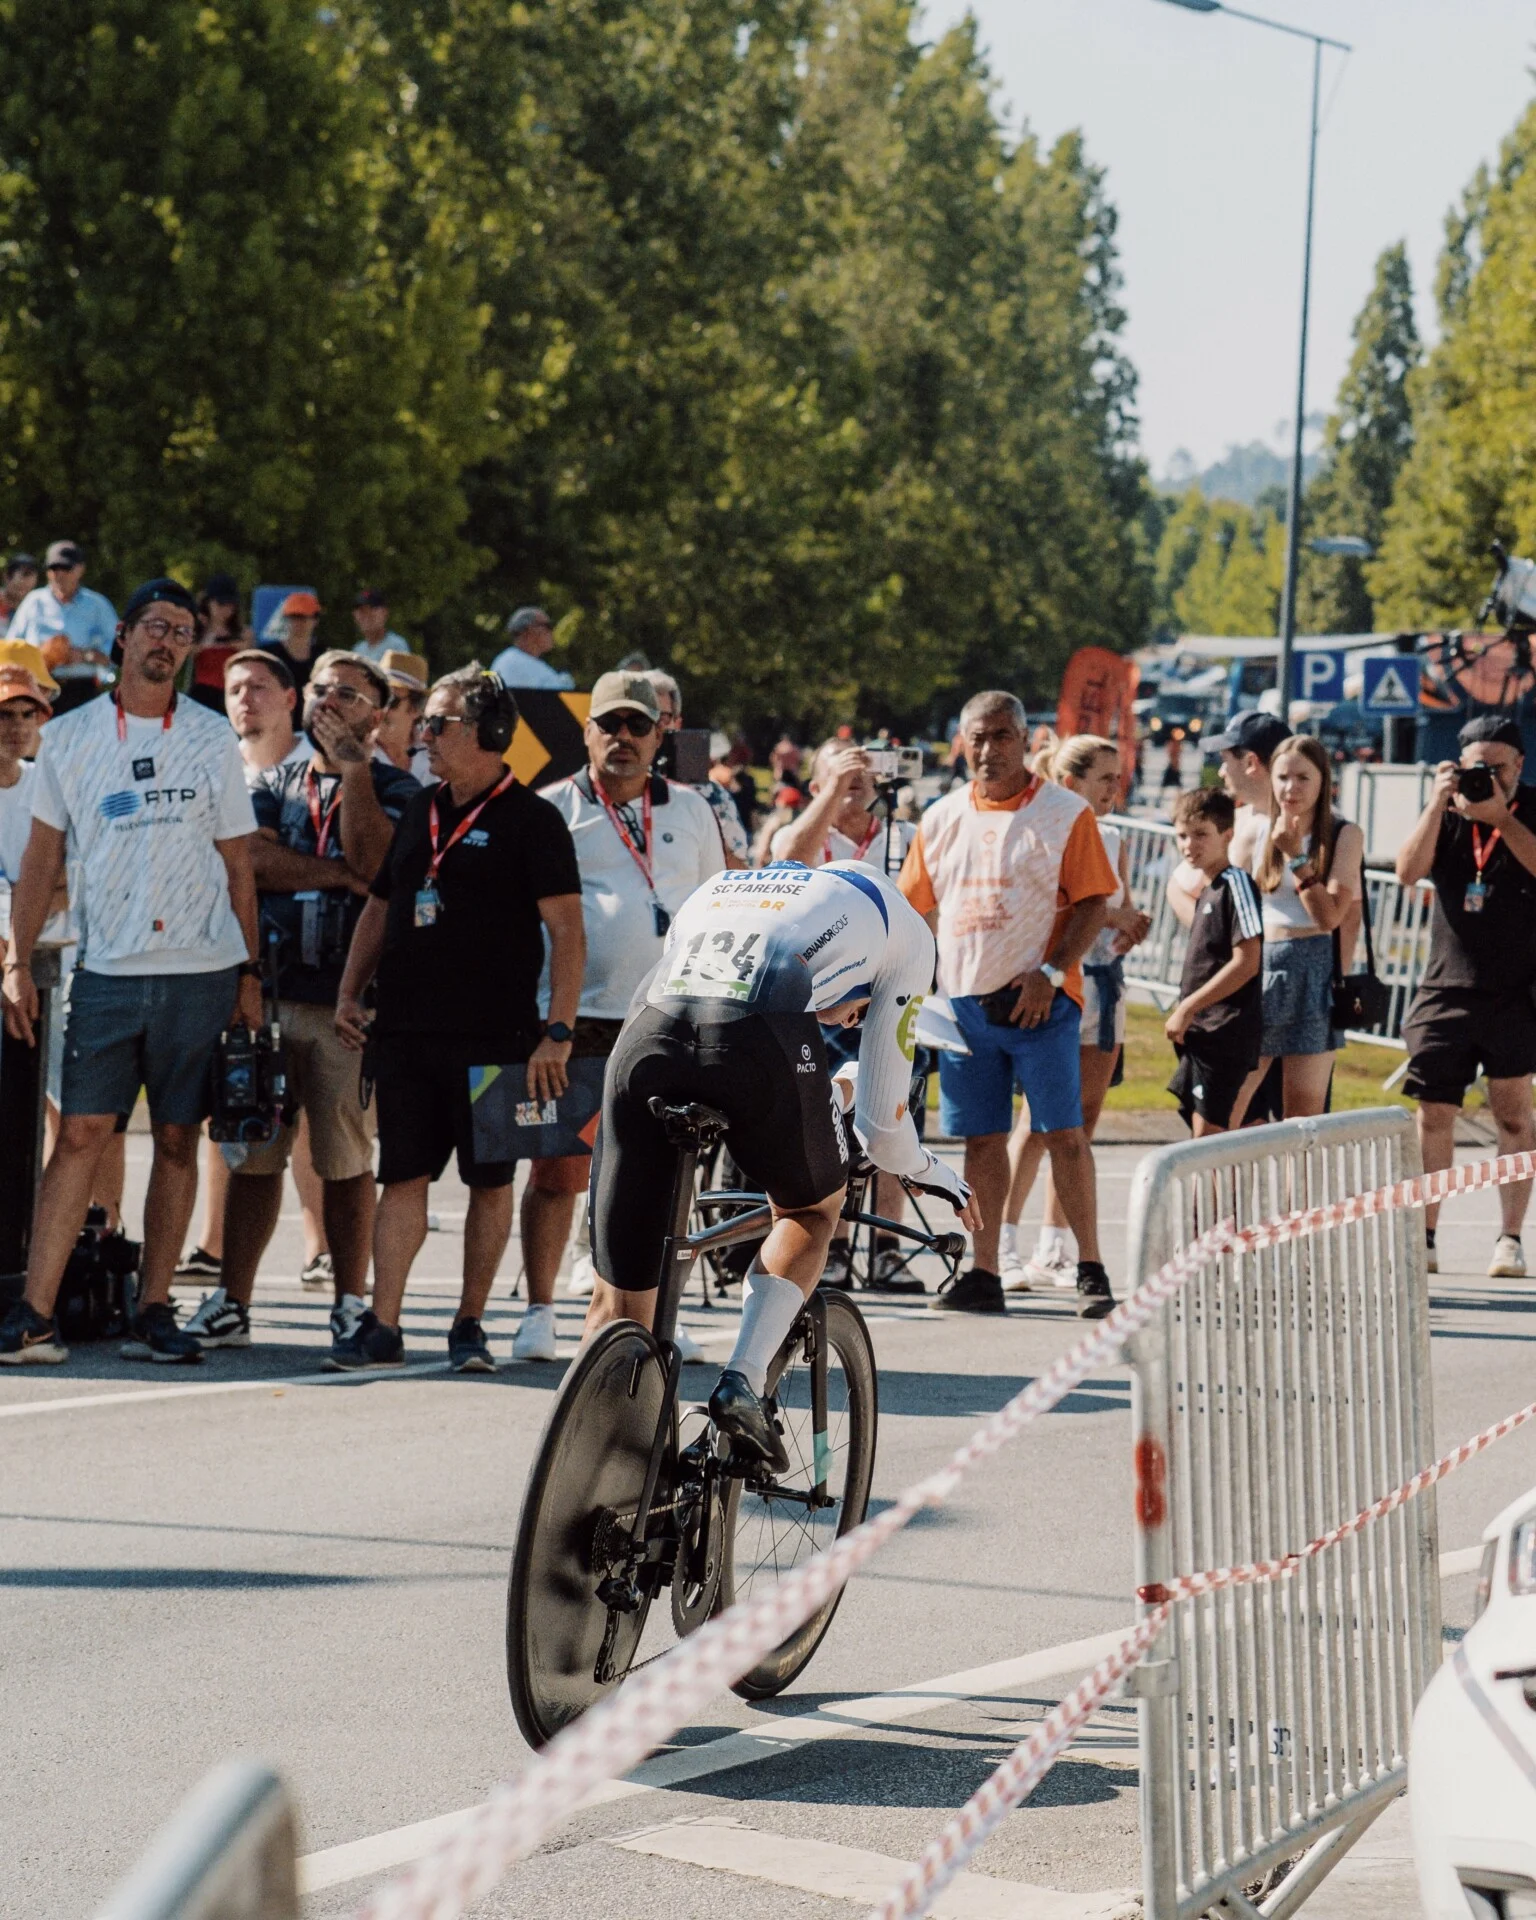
616 1735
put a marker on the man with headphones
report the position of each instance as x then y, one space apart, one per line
452 938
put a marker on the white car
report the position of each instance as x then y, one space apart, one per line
1472 1759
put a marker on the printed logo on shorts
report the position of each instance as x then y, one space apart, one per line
805 1052
838 1128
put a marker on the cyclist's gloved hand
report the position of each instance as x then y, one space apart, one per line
939 1179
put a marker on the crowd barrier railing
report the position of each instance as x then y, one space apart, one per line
1400 918
229 1852
1276 1394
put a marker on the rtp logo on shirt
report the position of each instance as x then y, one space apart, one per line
118 806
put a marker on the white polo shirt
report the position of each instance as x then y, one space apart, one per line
869 853
15 831
617 903
143 814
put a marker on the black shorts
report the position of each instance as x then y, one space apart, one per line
766 1072
1453 1032
421 1082
1208 1078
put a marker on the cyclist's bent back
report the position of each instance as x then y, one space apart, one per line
756 963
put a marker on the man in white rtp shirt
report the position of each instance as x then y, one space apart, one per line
147 793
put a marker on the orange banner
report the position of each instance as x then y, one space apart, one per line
1097 694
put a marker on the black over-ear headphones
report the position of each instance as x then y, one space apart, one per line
493 708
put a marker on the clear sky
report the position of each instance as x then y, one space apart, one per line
1201 123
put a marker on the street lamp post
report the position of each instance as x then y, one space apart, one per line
1293 513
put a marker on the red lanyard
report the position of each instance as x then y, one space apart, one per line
861 849
122 723
1479 858
640 859
323 827
464 825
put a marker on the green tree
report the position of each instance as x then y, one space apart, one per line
207 357
1471 476
1219 568
1368 438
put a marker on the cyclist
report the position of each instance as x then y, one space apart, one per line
757 962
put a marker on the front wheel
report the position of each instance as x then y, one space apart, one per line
582 1496
771 1531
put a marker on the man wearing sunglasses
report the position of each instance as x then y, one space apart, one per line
324 826
70 622
147 794
643 844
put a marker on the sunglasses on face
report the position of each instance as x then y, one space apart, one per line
434 723
159 629
338 690
636 725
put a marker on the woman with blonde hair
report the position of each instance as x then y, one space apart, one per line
1308 867
1088 764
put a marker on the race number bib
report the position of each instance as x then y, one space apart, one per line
724 964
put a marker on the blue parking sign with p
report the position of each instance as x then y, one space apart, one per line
1391 686
1319 675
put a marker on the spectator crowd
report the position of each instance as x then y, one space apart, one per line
213 826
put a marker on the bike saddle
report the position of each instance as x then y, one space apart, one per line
691 1124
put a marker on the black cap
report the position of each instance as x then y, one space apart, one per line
371 597
163 588
222 587
1250 732
1491 730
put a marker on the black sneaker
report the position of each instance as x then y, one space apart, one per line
892 1274
372 1345
974 1291
200 1265
838 1272
1095 1300
154 1335
748 1419
468 1349
28 1338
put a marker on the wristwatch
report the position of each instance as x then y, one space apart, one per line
557 1031
249 969
1056 975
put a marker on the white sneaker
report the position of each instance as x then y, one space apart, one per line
1508 1262
1010 1266
687 1346
346 1316
535 1338
222 1322
579 1285
1055 1269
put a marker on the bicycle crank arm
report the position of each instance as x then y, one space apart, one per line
813 1498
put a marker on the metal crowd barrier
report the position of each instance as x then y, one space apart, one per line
227 1853
1400 919
1276 1395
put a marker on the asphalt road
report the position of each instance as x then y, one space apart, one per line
253 1557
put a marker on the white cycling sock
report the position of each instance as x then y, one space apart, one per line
1052 1244
769 1308
539 1308
1008 1242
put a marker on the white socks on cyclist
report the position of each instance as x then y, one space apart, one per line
769 1308
1052 1244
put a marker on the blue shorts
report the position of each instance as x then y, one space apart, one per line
156 1031
976 1089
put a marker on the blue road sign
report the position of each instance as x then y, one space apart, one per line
1391 686
1319 676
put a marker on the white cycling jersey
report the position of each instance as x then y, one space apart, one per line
793 939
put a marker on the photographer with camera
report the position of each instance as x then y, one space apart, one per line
479 868
1476 841
147 793
324 828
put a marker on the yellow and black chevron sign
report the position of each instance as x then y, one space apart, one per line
548 745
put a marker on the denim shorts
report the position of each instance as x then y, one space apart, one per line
156 1031
1298 998
976 1088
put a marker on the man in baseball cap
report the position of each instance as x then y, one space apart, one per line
72 624
407 674
532 633
1250 732
370 614
296 647
1247 744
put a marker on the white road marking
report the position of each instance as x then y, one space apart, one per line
853 1873
769 1737
132 1397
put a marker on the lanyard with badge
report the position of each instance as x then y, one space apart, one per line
659 914
429 902
1476 896
322 826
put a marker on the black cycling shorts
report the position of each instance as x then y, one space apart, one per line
766 1072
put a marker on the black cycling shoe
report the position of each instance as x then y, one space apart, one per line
838 1272
974 1291
738 1411
1095 1300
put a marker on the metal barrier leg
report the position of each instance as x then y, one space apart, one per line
1320 1859
229 1852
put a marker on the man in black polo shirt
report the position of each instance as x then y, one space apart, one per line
479 868
1473 1009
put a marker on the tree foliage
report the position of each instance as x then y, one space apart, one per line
1219 568
742 336
1472 474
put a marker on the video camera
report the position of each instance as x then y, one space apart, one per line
902 765
250 1084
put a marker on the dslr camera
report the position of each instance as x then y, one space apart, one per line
1475 783
250 1085
899 764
